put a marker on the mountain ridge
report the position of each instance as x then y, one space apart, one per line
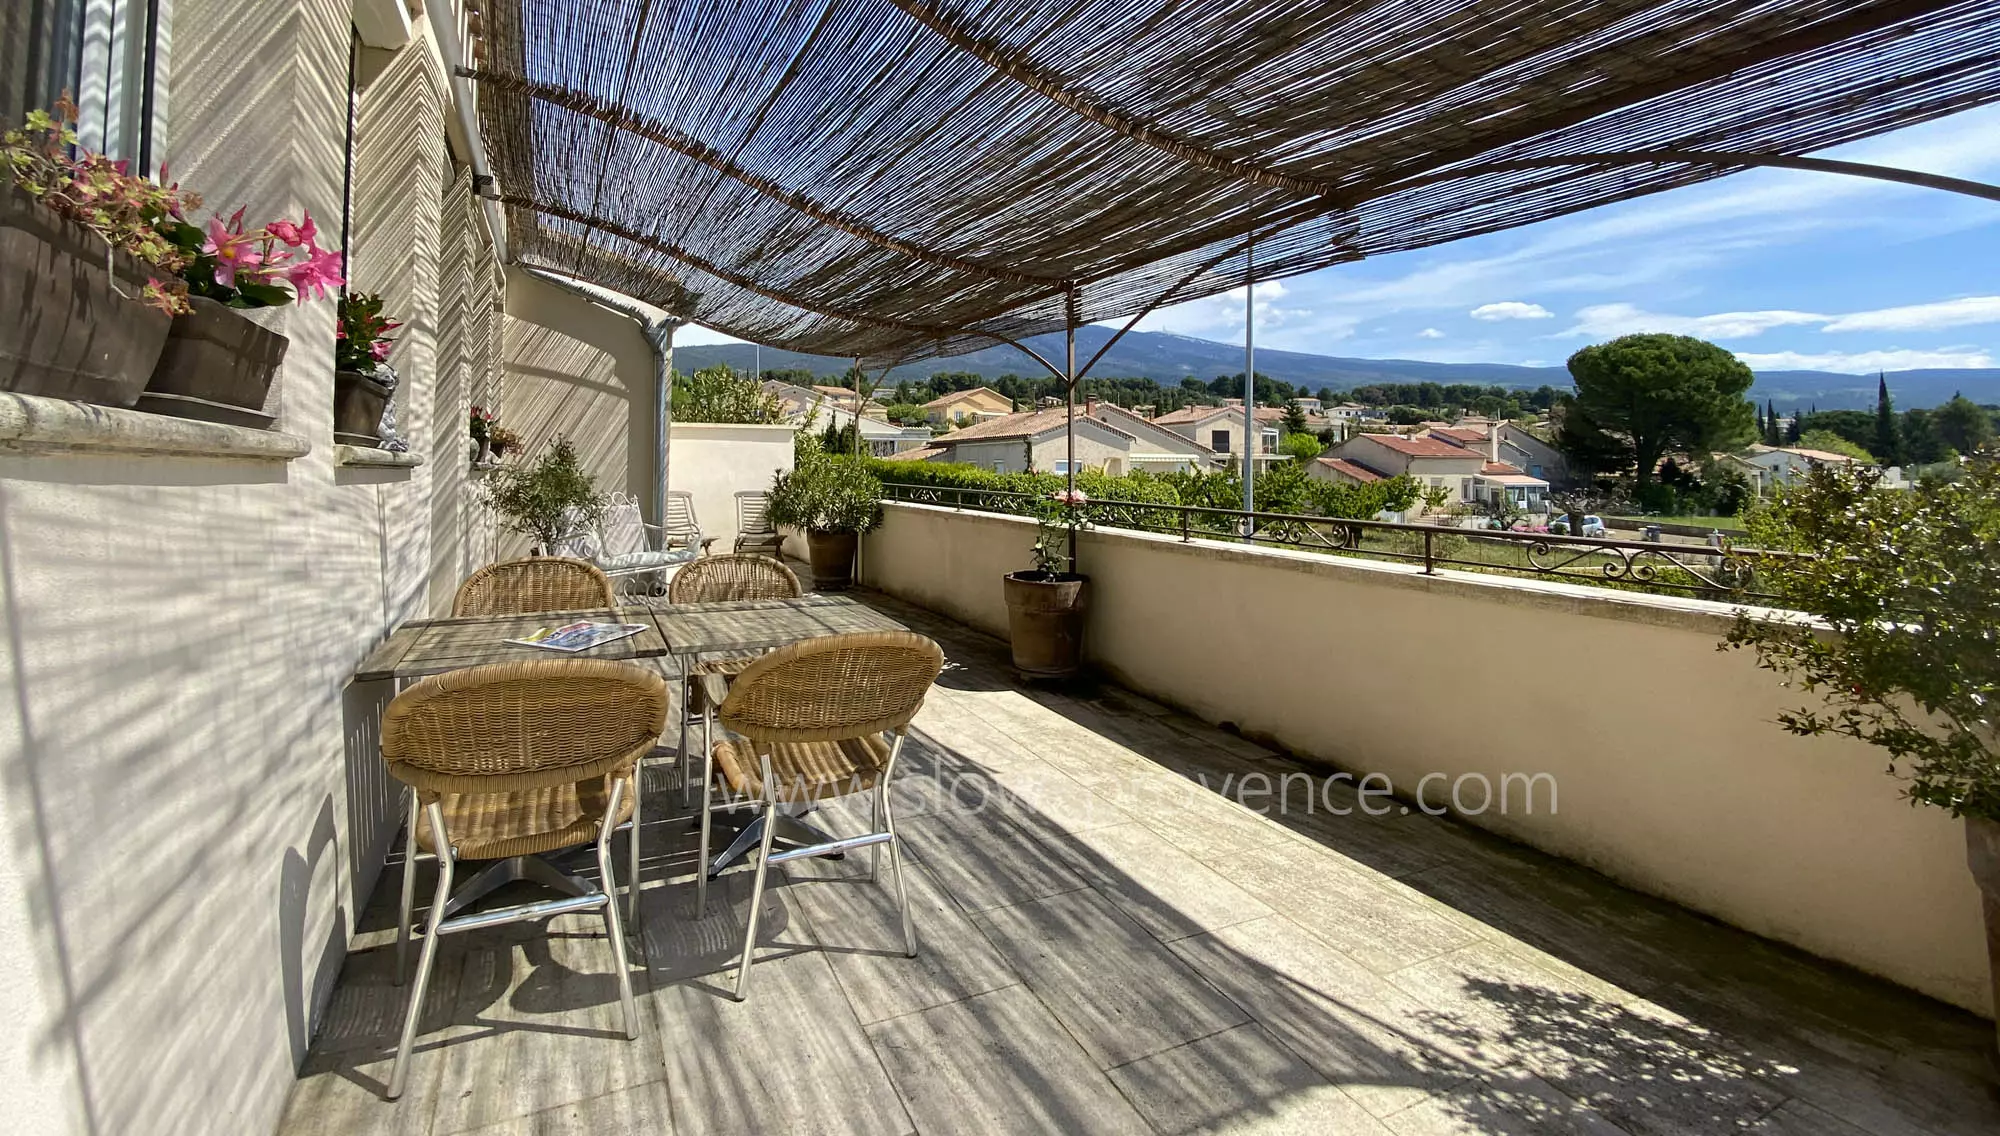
1167 358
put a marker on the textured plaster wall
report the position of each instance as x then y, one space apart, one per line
1672 775
190 796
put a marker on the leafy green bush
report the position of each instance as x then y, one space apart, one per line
825 493
546 497
722 394
1282 488
1908 582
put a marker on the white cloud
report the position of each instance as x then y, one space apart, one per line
1922 317
1511 310
1867 362
1223 313
1606 321
1430 333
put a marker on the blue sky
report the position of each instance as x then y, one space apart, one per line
1789 270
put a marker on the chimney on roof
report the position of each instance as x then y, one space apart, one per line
1090 407
1493 442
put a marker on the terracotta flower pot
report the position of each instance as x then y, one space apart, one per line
832 556
65 329
218 355
1982 855
358 401
1045 623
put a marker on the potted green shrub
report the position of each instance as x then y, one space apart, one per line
833 501
83 313
361 346
1908 585
550 499
1045 604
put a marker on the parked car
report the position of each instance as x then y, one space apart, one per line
1593 525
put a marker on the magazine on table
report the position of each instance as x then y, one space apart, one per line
579 636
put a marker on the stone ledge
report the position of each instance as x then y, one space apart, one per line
32 424
367 457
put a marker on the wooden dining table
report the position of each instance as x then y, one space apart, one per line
681 631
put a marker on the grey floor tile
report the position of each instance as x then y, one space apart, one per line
1119 991
1797 1118
990 858
1352 1025
1504 1105
1239 1081
791 1058
1367 915
858 927
640 1109
545 1029
1167 891
998 1063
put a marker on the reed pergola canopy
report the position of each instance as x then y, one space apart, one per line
891 178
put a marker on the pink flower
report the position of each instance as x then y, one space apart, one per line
381 350
1069 497
308 232
231 251
286 231
319 271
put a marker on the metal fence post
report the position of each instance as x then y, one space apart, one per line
1430 560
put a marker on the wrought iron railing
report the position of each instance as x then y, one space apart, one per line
1719 573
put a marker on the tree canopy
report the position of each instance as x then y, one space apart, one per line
1640 397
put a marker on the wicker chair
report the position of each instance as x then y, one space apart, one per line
507 762
753 524
718 579
539 583
811 719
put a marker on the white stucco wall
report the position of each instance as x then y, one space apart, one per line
716 460
191 798
1672 776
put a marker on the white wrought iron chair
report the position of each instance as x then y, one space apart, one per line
638 557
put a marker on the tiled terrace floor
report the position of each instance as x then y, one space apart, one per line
1109 947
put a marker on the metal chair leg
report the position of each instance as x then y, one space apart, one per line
896 850
632 843
875 825
707 825
409 889
682 758
446 861
612 925
757 885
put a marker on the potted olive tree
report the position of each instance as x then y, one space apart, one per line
1045 604
1907 584
833 500
550 499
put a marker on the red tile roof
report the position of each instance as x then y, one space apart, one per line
1459 433
1501 467
1025 424
1419 447
1352 469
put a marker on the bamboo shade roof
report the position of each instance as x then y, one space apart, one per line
891 178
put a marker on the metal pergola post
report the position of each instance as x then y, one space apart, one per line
1069 417
1249 383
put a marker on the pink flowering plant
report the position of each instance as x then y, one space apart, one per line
129 211
1057 519
254 268
361 340
482 423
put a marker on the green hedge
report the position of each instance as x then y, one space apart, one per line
1282 488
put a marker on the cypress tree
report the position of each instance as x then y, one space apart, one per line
1888 439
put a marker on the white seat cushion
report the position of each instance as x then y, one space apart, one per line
638 561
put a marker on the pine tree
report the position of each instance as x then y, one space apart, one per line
1792 432
1770 423
1888 445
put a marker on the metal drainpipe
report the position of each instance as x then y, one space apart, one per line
444 32
660 337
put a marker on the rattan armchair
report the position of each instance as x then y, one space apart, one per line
719 579
811 721
507 762
539 583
